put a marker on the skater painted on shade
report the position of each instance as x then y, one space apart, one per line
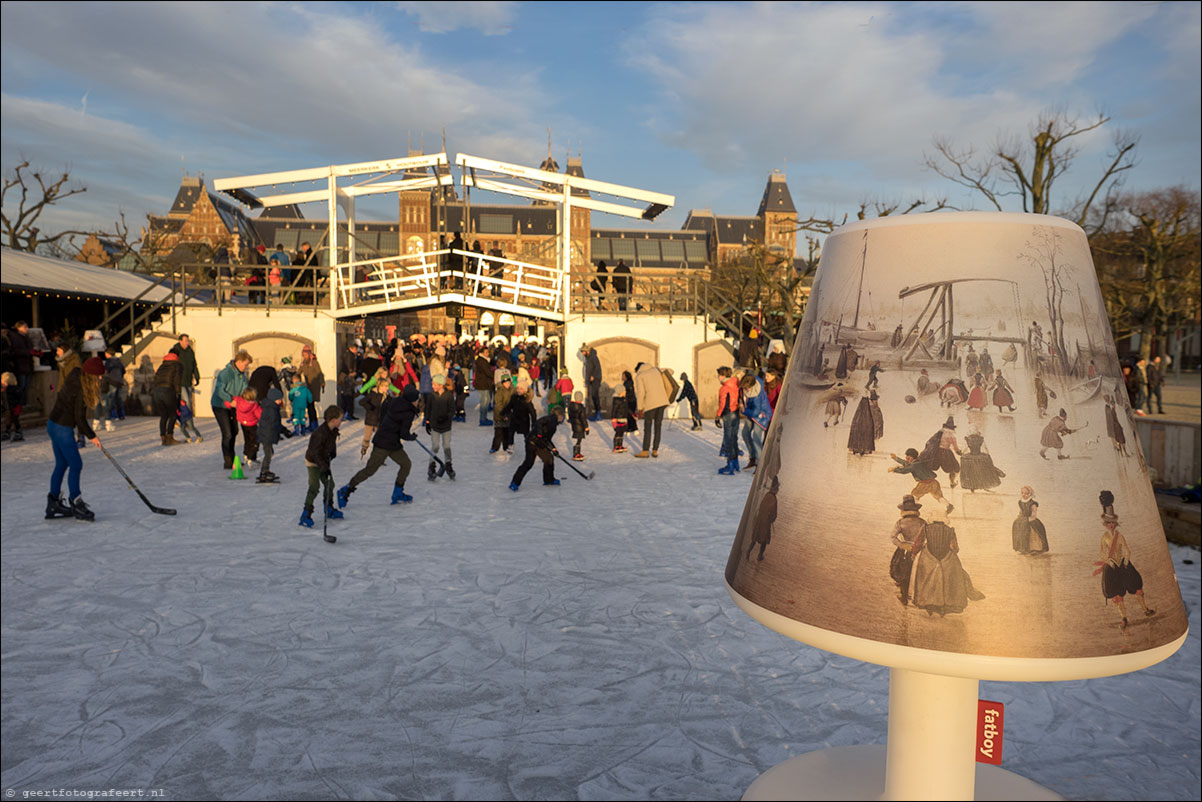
905 536
1053 435
1041 396
1114 429
941 450
1119 576
579 420
1003 393
977 471
1028 534
765 517
395 419
540 445
873 372
323 448
865 424
78 394
927 480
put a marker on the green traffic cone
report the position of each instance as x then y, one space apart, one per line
237 472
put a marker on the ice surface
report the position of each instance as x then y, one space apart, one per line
557 643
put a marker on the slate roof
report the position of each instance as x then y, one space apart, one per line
642 248
776 196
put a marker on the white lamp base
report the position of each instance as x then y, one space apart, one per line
858 772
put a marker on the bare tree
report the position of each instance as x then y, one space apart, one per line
20 229
1028 168
1149 263
1043 251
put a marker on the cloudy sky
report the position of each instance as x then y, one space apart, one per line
701 101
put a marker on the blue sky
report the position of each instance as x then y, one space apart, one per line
698 100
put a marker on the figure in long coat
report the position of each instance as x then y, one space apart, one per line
1119 576
841 365
976 396
1041 396
1028 534
861 439
941 449
765 517
1003 393
977 471
1115 429
941 585
986 362
1053 435
904 536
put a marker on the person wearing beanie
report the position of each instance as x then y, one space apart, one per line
396 415
271 425
78 394
323 448
440 413
166 394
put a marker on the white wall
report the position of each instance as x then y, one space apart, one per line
676 337
213 338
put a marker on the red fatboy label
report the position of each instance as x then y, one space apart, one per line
990 717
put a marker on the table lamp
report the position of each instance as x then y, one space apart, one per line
952 486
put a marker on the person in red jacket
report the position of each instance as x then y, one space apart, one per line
247 412
728 419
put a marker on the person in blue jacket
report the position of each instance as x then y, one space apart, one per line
228 385
757 414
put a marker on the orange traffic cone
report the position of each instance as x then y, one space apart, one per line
237 473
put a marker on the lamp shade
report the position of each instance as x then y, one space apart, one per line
951 481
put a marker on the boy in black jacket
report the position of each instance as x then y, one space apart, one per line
689 393
323 448
270 426
440 413
540 445
578 417
619 415
396 416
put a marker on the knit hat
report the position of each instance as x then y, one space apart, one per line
440 379
332 413
94 366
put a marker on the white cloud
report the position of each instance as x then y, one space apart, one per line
491 19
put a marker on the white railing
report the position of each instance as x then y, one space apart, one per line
421 276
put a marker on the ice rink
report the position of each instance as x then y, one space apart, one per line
559 643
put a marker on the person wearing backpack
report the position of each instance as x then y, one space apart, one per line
652 398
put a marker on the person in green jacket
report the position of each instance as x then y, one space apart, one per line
227 385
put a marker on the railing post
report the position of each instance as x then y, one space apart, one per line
184 294
173 302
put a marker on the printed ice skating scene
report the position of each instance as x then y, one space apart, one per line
952 413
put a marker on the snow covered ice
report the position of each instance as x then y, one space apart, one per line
556 643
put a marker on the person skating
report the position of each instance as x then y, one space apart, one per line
540 445
579 420
689 393
440 413
78 395
12 408
395 419
372 395
270 426
229 384
299 398
927 481
456 379
1053 435
247 412
761 533
502 436
653 397
323 448
905 536
482 383
729 404
166 393
520 412
619 415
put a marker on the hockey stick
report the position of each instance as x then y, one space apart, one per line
327 496
563 459
441 464
134 487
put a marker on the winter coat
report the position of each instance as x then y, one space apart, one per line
348 364
688 393
649 388
757 407
483 379
270 417
404 377
503 393
168 375
520 414
189 373
577 416
592 368
632 397
728 396
425 384
69 409
371 402
21 353
396 418
114 370
247 412
263 378
228 385
543 432
315 380
440 411
323 447
300 398
619 411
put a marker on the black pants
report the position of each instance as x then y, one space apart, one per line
229 433
268 450
378 457
312 410
695 411
594 394
653 421
533 452
166 403
316 479
250 444
502 437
